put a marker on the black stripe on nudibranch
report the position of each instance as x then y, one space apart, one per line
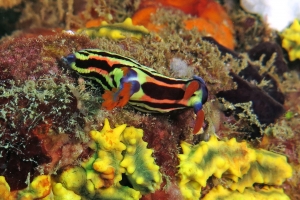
161 92
162 78
167 80
99 78
161 106
101 64
149 71
113 81
84 53
109 55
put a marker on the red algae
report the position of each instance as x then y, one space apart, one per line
20 159
35 104
170 191
164 145
30 58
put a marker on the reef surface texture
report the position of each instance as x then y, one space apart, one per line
58 142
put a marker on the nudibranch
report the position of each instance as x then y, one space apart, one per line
116 31
126 81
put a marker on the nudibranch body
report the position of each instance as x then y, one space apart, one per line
126 81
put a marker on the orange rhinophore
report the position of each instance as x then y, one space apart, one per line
199 122
190 90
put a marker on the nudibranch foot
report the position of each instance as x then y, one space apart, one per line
116 98
199 122
108 97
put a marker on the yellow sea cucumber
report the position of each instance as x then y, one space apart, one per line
291 40
242 165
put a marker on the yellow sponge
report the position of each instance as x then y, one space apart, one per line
73 178
108 157
267 193
140 166
39 188
231 160
61 193
120 151
118 192
291 40
5 190
270 168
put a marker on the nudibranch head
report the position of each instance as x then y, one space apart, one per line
70 58
199 96
199 93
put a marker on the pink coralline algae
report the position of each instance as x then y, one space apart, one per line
37 108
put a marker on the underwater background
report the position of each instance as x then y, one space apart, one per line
149 99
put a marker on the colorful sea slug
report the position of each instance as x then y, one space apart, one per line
116 31
126 81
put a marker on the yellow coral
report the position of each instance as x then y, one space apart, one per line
4 189
118 192
117 151
99 176
291 40
269 168
116 31
109 152
73 178
40 187
267 193
199 162
140 167
61 193
239 163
